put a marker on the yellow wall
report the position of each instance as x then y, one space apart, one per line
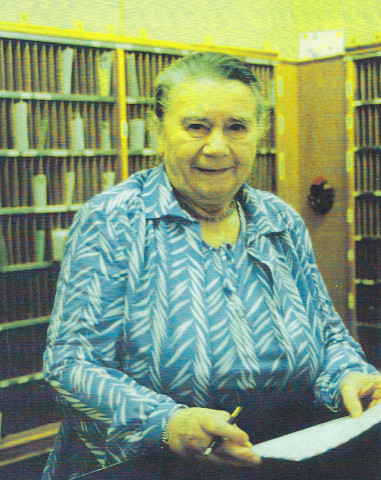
258 24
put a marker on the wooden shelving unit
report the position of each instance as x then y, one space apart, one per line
311 143
27 444
76 117
363 88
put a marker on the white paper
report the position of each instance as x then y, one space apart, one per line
321 44
318 439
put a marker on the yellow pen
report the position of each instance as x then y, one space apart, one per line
216 441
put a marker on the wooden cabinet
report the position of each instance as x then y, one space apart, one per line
363 88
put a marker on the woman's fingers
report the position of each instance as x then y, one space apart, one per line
356 386
231 454
191 431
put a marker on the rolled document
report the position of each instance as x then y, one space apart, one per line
39 238
108 180
59 237
69 187
136 128
21 140
39 190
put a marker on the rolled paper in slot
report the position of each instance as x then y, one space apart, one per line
39 190
132 77
105 132
59 238
136 129
104 73
20 115
69 186
78 137
108 180
40 245
44 132
3 250
67 67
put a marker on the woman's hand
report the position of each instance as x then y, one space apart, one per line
191 431
356 386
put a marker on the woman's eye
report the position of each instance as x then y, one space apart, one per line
237 130
238 127
197 127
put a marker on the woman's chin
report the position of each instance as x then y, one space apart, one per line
215 200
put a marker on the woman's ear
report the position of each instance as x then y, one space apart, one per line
160 149
155 128
160 138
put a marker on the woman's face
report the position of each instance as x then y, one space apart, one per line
209 138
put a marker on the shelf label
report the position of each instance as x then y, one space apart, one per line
368 282
59 153
30 153
122 46
43 96
348 121
351 255
12 153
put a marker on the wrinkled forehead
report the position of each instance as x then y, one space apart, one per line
209 94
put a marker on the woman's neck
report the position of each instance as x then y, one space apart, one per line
207 213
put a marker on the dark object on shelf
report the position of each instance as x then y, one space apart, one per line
321 197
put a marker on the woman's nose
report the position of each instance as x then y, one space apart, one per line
216 143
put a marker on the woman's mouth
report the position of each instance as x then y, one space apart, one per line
213 171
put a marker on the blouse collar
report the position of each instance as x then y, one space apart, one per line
264 212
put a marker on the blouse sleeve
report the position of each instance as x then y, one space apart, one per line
114 415
341 353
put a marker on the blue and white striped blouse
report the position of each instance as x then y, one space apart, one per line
147 316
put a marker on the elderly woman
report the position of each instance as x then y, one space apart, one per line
185 293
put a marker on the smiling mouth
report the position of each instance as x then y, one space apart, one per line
213 171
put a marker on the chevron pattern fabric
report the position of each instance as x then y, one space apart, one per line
147 316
